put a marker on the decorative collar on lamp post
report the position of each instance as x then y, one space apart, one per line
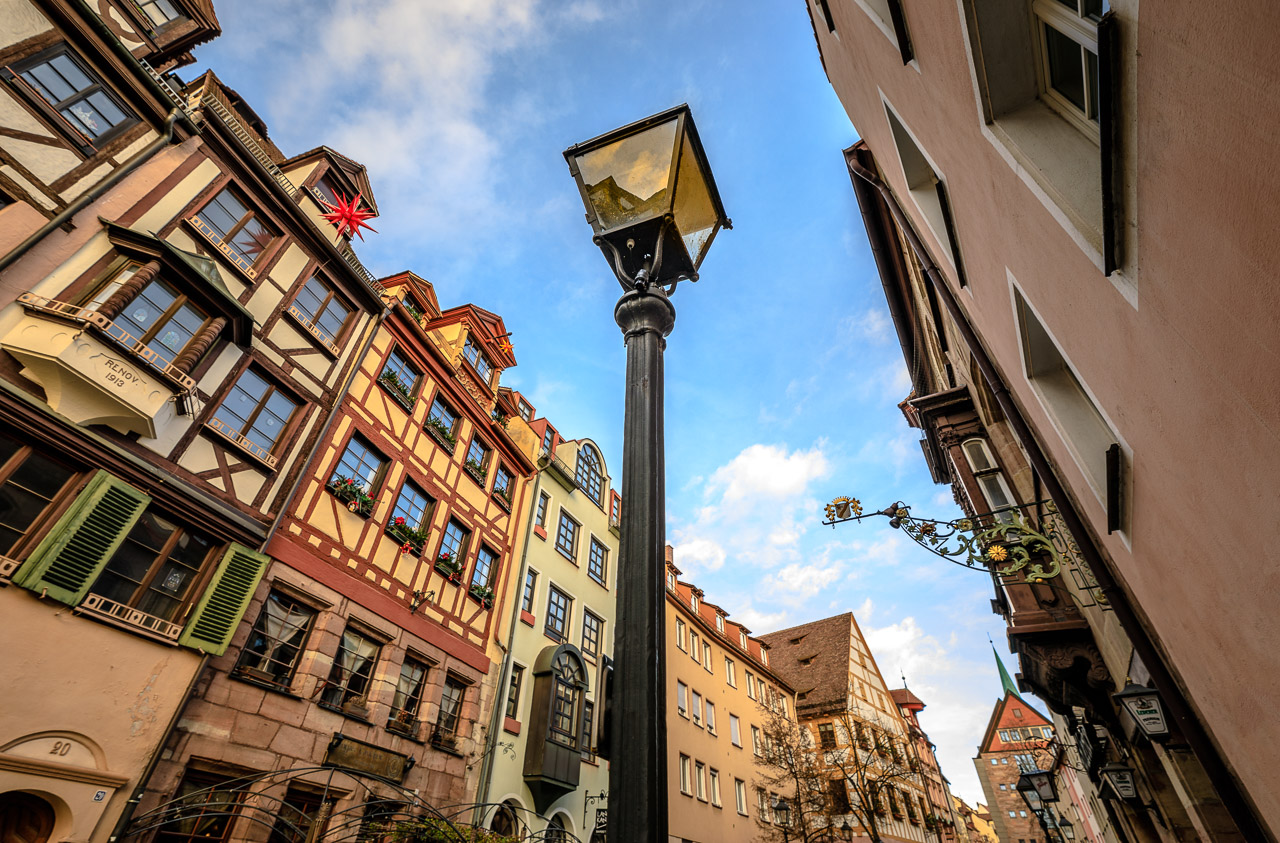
650 198
1145 707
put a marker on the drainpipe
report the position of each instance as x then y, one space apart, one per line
491 740
1228 789
93 193
126 816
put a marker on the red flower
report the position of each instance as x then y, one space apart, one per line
406 547
399 520
351 482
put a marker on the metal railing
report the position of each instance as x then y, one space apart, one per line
128 616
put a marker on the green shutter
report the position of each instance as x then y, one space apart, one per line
70 557
222 606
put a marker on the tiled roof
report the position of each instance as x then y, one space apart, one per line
814 659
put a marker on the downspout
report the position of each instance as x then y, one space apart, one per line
287 502
1233 798
491 740
130 806
93 193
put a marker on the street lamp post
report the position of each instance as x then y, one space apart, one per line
654 208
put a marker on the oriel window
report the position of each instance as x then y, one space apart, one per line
159 319
570 679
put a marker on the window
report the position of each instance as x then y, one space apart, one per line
697 709
548 439
1067 32
361 464
227 219
588 743
693 603
329 192
592 633
695 646
989 477
570 680
210 806
255 413
700 780
502 483
719 623
1083 428
279 636
740 795
567 537
711 717
735 730
525 411
478 459
400 375
29 483
530 590
715 786
742 639
159 12
826 736
730 672
682 698
588 475
839 796
559 607
476 357
155 567
450 716
443 420
762 804
65 83
541 518
751 685
756 745
352 670
482 576
513 691
684 776
706 656
407 702
597 561
159 319
298 810
680 640
1017 712
414 507
1025 763
671 581
454 542
927 191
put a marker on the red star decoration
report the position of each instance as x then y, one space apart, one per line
348 216
505 346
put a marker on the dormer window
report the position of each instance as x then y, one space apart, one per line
693 602
671 581
526 412
720 623
548 439
476 357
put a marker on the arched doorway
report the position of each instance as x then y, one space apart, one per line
24 818
504 822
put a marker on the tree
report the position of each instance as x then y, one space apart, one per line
841 768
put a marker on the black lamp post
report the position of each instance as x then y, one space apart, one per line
653 205
846 830
782 811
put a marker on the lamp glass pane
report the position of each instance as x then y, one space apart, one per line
694 211
626 181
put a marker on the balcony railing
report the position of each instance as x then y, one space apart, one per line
558 469
129 617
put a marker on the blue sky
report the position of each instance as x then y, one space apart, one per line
783 372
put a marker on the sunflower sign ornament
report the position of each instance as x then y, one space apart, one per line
1006 541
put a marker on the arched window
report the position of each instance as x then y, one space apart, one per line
589 475
566 704
556 831
504 822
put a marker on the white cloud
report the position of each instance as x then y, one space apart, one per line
874 325
697 555
767 471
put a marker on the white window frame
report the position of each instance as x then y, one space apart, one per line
1079 29
682 699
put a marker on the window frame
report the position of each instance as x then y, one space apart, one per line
601 578
477 445
267 454
61 124
440 403
592 654
560 632
735 730
346 693
223 241
10 466
410 392
374 484
412 705
1077 27
512 706
529 591
540 514
588 474
474 355
311 321
572 552
267 656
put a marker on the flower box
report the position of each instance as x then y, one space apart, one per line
449 567
391 382
476 470
441 433
351 493
483 594
411 538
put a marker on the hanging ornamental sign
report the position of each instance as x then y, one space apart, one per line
1006 541
348 216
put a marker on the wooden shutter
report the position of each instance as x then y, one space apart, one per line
224 601
68 559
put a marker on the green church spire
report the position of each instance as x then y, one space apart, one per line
1005 679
